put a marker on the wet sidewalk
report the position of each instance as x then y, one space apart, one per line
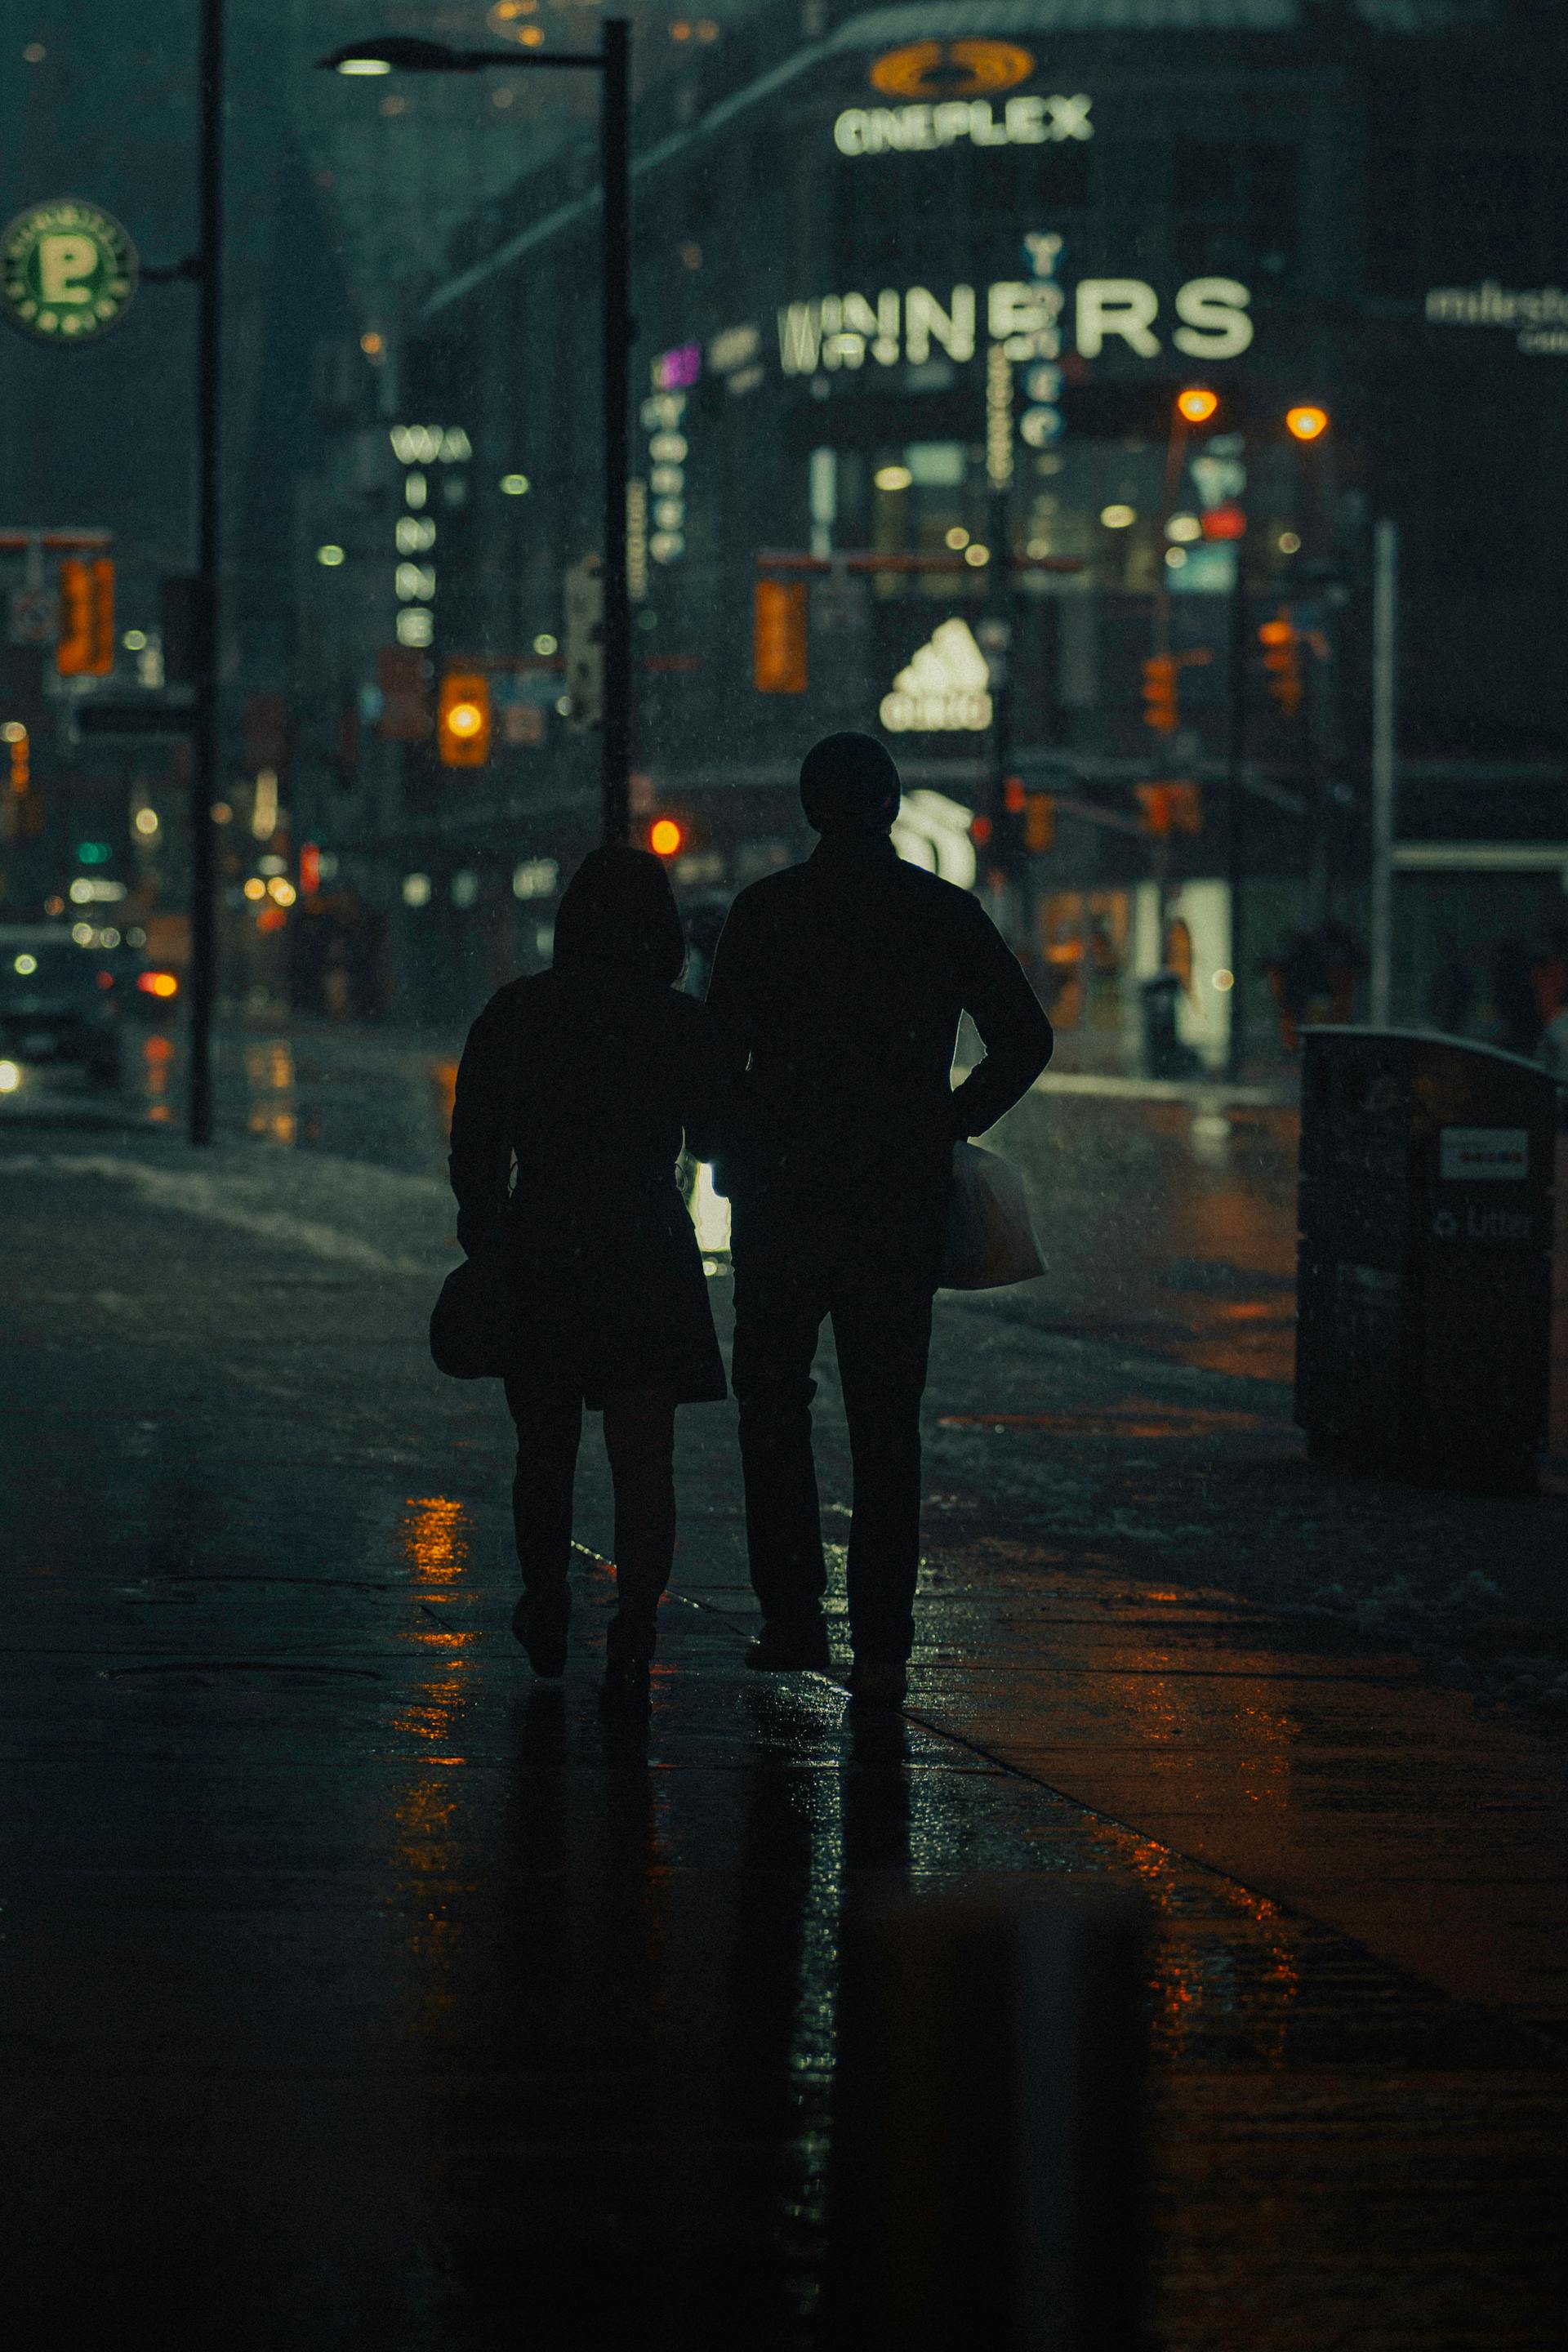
359 1991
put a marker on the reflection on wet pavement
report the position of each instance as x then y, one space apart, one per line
1305 1766
381 1997
495 2018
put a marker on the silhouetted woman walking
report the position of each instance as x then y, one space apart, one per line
596 1068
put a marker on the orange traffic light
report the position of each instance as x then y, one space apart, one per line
86 646
1161 709
1195 404
1040 823
664 836
1171 808
778 636
1307 423
463 719
1282 659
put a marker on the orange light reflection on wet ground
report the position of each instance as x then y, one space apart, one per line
435 1538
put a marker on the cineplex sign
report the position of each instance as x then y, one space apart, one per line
1022 121
1025 316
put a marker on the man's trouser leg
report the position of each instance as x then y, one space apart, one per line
881 1328
779 1307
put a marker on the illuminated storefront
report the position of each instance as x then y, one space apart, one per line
931 302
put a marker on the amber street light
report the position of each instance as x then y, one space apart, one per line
1307 423
1196 403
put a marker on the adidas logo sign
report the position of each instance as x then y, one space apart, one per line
946 689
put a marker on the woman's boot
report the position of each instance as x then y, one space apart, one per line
540 1622
629 1648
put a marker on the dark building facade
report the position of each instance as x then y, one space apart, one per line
917 297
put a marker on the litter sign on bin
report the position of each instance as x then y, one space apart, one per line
1424 1330
1469 1154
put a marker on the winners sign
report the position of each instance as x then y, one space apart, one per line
67 272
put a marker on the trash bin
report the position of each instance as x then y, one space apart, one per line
1424 1301
1165 1054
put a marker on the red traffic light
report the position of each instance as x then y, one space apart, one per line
1161 709
86 646
1281 645
463 719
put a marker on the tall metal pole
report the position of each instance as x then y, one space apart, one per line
209 622
1236 809
614 179
1384 705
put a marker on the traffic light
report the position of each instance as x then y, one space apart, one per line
86 646
666 836
463 719
586 643
14 736
1039 822
1160 706
1282 659
778 636
1171 808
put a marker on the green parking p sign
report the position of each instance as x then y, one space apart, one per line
67 272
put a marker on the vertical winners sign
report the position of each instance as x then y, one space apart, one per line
67 272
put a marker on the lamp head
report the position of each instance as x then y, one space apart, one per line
398 53
1196 404
1307 422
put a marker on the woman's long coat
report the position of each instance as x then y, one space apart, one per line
593 1073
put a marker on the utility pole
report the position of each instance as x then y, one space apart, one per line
1235 808
615 181
207 766
1384 706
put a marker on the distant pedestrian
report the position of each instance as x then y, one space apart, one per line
1516 1015
840 984
1450 1002
596 1068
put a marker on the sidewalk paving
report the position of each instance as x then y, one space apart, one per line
360 1991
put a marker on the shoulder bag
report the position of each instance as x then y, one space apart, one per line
473 1325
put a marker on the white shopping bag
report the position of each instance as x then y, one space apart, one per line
991 1235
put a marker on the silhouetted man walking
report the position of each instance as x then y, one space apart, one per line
840 984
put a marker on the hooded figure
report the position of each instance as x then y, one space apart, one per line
593 1072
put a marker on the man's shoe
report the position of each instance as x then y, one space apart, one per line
879 1682
787 1645
539 1625
626 1689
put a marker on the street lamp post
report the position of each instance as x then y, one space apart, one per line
399 53
1236 845
206 764
1305 422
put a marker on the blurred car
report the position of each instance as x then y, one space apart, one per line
58 1002
146 987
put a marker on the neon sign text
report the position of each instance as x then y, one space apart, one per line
1023 121
843 331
